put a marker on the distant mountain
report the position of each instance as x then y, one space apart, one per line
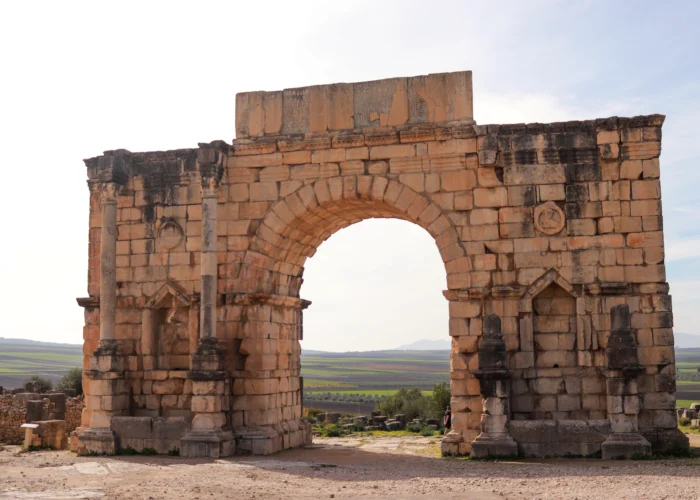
426 345
686 340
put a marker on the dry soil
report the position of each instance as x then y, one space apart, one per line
377 467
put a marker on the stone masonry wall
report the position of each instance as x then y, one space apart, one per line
528 219
13 412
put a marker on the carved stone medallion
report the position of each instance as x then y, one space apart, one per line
170 234
549 218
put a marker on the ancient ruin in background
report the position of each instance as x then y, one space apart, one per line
551 237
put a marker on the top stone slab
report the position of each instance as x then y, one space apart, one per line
442 97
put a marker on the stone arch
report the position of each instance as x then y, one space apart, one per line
296 225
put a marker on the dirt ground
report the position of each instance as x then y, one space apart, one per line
379 467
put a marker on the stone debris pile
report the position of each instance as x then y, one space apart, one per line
692 414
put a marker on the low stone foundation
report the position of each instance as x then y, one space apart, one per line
175 434
556 438
160 434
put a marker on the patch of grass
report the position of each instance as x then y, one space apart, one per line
174 452
427 432
687 429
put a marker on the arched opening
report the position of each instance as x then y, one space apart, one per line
376 287
273 268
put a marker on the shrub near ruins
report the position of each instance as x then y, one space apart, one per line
72 380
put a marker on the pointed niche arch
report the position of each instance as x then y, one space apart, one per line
170 328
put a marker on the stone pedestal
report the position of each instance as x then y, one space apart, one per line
108 395
494 439
623 368
210 435
453 444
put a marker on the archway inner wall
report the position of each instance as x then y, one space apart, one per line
512 208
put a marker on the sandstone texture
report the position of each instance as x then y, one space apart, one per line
197 256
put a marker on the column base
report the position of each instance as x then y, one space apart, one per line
485 446
267 440
454 444
625 445
97 441
207 444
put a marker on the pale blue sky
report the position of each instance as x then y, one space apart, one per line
79 78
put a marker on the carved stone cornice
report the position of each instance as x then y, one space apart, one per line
267 298
88 302
464 294
111 167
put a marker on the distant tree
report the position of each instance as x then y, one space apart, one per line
40 384
440 400
410 402
72 380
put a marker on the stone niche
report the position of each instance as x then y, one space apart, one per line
169 329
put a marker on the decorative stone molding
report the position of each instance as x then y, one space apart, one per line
267 298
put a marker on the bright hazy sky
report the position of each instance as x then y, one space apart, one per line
78 78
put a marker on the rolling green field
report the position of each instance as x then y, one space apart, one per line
373 372
349 377
356 381
687 377
20 359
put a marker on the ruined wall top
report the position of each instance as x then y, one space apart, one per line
437 98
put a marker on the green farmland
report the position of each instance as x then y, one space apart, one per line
355 381
349 377
20 359
375 372
687 376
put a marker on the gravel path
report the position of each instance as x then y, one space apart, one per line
399 468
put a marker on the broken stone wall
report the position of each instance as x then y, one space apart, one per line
13 411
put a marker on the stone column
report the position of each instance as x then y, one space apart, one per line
211 434
494 378
108 263
621 380
105 385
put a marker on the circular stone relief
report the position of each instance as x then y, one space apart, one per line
170 234
549 218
